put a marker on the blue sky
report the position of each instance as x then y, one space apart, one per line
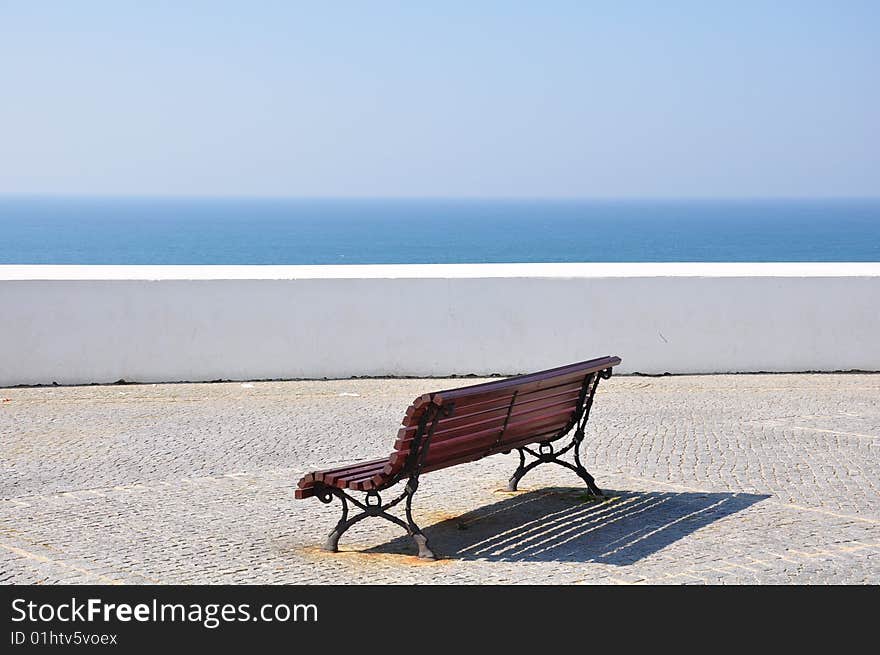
538 99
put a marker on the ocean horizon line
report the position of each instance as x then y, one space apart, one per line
437 198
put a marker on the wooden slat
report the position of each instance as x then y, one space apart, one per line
423 400
529 382
453 447
496 420
464 459
364 485
530 427
522 396
479 454
370 483
349 480
414 412
472 404
531 438
411 416
483 439
378 480
330 477
299 494
497 408
516 425
486 445
475 455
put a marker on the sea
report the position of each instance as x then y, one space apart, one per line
164 230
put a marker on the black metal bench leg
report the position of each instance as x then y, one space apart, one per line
415 532
583 473
521 470
546 455
376 508
585 476
332 543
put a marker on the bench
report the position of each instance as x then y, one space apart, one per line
455 426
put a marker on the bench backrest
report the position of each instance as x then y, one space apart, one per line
454 426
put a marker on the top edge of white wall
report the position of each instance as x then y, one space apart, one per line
441 271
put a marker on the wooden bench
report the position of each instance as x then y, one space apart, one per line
455 426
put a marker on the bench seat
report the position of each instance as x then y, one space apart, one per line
350 476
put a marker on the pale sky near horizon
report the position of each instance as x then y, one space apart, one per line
538 99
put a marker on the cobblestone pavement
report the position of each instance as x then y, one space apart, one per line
719 479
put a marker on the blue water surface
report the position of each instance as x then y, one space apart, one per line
59 230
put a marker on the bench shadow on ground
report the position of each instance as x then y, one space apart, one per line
563 524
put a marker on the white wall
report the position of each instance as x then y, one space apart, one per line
81 324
